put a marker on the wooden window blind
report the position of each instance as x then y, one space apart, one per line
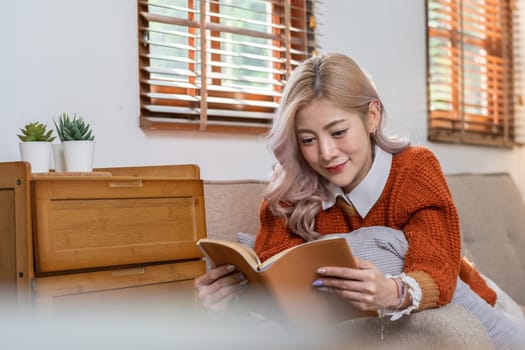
470 72
219 65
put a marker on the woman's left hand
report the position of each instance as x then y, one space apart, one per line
366 288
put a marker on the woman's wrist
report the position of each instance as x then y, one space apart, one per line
409 297
394 294
401 293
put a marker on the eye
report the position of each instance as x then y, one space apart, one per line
339 133
307 140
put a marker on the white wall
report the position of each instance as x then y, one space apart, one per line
80 56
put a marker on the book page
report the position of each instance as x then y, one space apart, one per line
218 252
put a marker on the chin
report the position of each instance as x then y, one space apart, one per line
340 182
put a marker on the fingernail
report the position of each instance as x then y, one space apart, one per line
321 270
317 283
230 268
241 277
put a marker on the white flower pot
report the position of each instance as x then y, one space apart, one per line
38 154
58 157
79 155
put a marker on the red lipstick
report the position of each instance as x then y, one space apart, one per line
336 169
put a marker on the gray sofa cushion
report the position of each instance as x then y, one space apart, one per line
492 217
449 327
231 207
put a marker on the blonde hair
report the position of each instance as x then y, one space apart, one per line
296 190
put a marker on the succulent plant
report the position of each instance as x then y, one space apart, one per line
73 129
63 120
36 131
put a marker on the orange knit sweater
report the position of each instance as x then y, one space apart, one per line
415 200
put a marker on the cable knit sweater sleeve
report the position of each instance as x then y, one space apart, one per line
425 212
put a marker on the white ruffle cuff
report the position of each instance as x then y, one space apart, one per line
415 295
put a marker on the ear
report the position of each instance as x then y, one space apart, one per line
375 111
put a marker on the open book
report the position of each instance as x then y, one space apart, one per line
282 285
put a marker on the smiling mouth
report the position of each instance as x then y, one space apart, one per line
336 169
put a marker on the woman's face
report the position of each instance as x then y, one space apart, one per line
335 143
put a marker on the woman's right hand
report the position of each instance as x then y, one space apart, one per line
219 286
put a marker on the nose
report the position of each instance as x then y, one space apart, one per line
327 149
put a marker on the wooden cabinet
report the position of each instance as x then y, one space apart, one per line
90 222
156 285
16 254
64 236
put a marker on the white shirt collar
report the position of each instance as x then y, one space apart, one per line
367 192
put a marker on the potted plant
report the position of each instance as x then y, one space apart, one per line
58 148
35 146
78 141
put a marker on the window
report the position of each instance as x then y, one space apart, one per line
471 93
219 65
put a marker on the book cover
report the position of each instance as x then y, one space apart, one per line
281 287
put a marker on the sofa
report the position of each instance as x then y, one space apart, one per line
492 219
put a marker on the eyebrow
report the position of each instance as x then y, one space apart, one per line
326 127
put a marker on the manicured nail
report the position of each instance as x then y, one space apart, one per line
241 276
321 270
230 268
317 283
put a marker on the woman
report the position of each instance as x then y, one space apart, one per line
337 172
